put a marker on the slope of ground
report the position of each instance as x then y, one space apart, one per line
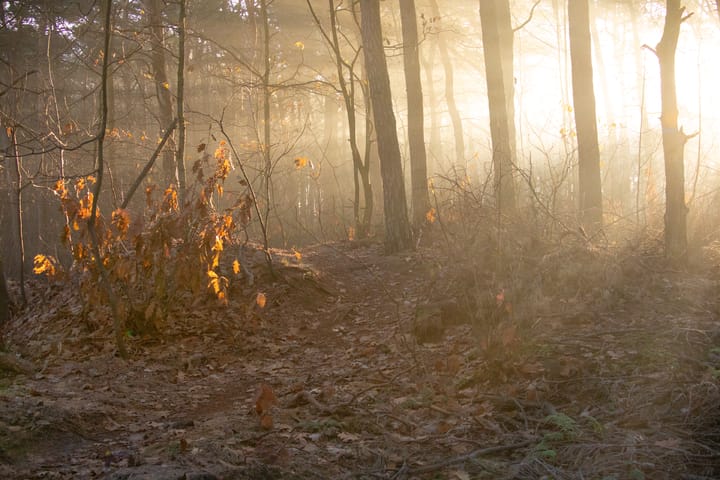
614 382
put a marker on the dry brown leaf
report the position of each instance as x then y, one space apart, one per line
266 422
454 362
265 400
261 300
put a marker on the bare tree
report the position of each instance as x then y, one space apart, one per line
162 86
398 235
589 188
673 138
180 152
347 86
416 129
450 91
500 113
100 163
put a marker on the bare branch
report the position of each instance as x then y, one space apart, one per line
529 19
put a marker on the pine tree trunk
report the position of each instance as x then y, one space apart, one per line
589 188
398 235
416 128
500 120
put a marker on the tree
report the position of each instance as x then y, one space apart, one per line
416 129
4 297
589 188
673 138
450 91
499 85
162 86
398 235
346 83
180 152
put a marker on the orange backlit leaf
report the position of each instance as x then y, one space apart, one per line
265 400
236 267
121 220
44 265
261 300
431 215
301 162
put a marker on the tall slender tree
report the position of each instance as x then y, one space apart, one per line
180 151
450 90
398 235
347 84
162 86
500 114
589 188
416 128
673 138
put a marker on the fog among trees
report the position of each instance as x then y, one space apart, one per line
265 81
522 157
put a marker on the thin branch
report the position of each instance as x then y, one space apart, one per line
529 19
150 164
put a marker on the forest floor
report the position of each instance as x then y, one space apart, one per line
364 365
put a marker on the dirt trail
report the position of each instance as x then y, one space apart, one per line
630 391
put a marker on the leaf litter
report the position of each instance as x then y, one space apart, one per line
322 374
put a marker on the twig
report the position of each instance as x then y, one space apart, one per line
468 456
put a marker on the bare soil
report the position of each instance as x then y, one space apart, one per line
581 379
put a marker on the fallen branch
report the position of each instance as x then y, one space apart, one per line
468 456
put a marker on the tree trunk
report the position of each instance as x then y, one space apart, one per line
589 188
500 120
673 138
398 235
4 297
361 169
416 128
162 87
450 92
180 152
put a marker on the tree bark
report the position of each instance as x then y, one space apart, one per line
4 296
589 188
180 152
500 120
450 92
416 128
104 277
361 168
162 87
398 235
673 138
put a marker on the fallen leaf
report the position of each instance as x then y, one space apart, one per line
266 422
261 300
265 399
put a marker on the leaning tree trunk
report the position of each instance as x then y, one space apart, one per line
416 132
398 235
589 188
673 138
500 133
